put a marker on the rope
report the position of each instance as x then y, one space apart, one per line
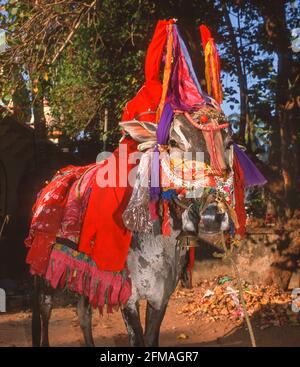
200 126
228 255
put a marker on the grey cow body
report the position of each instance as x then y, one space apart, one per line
155 264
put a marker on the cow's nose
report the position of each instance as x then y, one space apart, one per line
211 218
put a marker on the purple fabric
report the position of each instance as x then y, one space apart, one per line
189 62
252 175
164 125
183 91
204 97
173 95
162 138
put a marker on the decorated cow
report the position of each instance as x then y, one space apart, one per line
123 229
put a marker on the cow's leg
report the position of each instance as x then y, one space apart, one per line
46 308
153 321
84 312
131 317
36 312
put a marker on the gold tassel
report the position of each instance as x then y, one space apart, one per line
212 76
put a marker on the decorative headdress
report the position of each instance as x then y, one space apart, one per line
148 117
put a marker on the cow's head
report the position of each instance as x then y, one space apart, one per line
199 144
210 149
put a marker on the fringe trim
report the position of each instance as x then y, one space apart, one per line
83 277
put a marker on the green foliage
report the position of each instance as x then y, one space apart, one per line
102 69
102 65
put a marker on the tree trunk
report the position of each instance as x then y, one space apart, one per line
287 127
242 79
40 133
293 111
276 28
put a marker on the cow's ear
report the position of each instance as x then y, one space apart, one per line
140 131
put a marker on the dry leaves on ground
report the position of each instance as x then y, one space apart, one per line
219 300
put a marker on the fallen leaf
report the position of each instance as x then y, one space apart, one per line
182 336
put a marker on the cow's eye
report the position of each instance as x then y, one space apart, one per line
173 143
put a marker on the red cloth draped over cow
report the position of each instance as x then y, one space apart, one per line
103 222
104 236
48 214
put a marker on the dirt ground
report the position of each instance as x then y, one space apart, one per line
177 330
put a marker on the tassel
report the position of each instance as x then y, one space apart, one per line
116 288
166 230
212 65
167 72
66 270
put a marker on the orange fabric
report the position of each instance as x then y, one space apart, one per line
212 64
239 190
167 72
